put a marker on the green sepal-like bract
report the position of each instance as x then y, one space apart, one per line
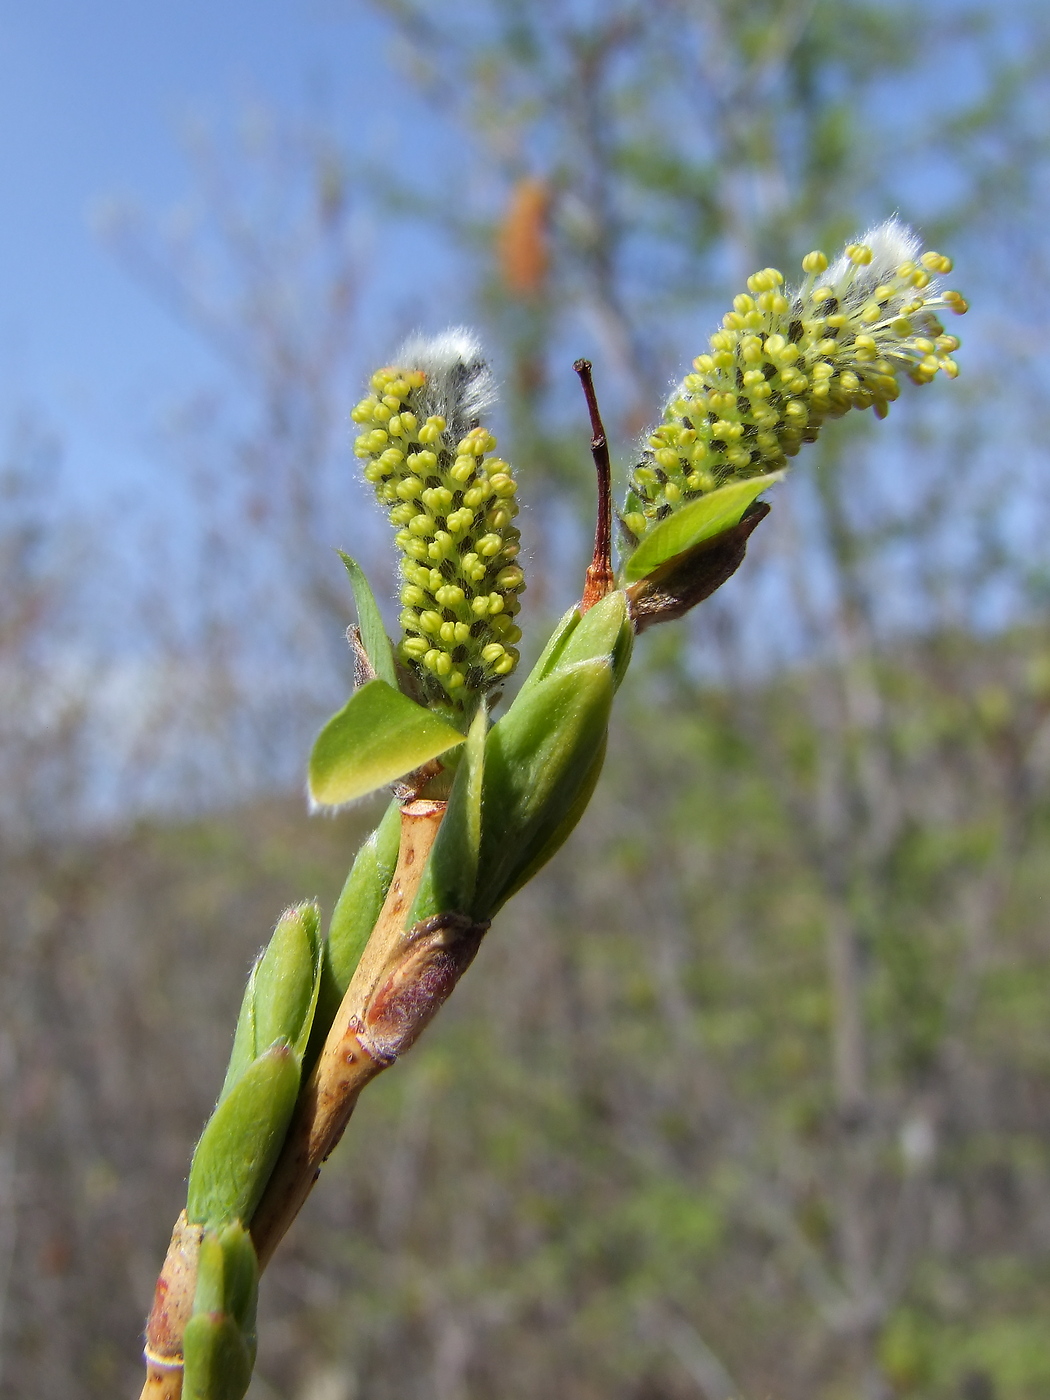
237 1150
695 522
219 1341
374 639
379 736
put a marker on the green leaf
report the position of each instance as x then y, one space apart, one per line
373 634
281 994
378 736
237 1150
700 520
451 875
538 759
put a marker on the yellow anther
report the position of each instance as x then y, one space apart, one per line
815 262
859 254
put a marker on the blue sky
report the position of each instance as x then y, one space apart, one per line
92 98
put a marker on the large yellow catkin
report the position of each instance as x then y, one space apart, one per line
783 361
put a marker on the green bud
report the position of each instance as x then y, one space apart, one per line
239 1146
538 759
552 652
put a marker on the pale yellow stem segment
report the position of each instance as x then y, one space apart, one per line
172 1306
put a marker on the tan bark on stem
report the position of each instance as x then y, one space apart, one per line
350 1057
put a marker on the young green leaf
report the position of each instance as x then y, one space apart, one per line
286 980
551 654
700 520
354 918
537 759
218 1359
604 631
377 737
240 1276
373 634
565 827
235 1156
244 1040
452 869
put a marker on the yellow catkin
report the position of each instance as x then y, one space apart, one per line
785 361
